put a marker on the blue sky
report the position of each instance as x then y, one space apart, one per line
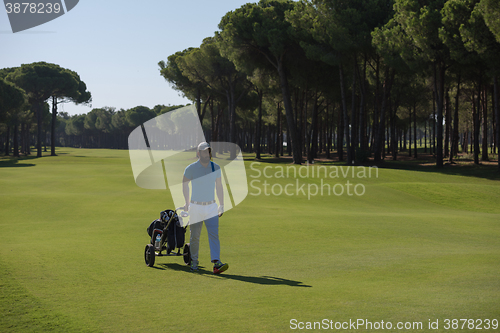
115 46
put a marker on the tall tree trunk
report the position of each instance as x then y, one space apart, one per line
387 143
433 134
439 77
493 121
495 118
484 156
204 111
198 102
425 136
354 118
213 132
447 123
409 134
259 127
305 137
39 117
362 110
232 121
415 129
321 137
314 131
394 139
379 137
476 121
376 104
278 131
281 136
497 113
292 128
27 142
454 141
53 127
328 128
269 150
15 139
23 136
7 141
404 138
297 106
346 116
340 134
466 141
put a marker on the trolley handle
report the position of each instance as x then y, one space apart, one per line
182 214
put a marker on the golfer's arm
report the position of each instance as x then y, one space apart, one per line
185 189
219 191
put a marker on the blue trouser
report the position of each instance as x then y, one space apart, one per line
209 215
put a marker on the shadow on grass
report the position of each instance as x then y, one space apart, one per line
13 162
459 168
424 163
263 280
159 268
284 160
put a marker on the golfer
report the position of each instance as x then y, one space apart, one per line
205 178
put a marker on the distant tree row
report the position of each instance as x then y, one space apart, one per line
104 127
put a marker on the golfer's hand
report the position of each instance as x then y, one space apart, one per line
221 210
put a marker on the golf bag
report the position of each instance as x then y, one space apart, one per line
173 234
156 224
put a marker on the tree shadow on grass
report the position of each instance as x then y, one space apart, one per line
425 163
14 163
459 168
271 159
263 280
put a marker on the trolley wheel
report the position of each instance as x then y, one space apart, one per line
149 255
187 254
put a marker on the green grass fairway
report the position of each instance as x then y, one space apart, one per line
417 246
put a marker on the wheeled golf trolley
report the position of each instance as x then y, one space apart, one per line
167 234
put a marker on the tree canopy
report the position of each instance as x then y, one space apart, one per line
42 80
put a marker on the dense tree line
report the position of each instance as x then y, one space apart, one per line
361 77
353 78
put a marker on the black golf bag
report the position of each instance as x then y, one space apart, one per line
167 231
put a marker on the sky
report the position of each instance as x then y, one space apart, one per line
115 46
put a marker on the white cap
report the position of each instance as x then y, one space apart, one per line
203 146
